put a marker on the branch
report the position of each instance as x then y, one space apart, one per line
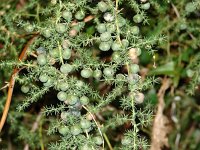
12 82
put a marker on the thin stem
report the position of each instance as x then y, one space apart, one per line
95 123
116 21
107 141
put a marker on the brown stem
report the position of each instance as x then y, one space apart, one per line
12 83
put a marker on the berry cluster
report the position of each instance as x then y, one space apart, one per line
75 60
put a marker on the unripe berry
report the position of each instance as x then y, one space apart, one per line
101 28
29 28
41 59
62 96
139 98
75 130
104 46
98 140
66 68
46 33
25 88
64 86
72 99
126 141
80 15
109 72
106 36
134 68
86 73
43 77
116 46
145 6
64 130
108 17
97 74
60 28
66 53
85 124
67 15
190 7
84 100
138 18
125 43
135 30
54 53
102 6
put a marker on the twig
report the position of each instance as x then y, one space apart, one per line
12 83
160 127
95 123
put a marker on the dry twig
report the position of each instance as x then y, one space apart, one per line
12 82
160 125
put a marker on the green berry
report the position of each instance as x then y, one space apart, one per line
126 141
116 46
29 28
53 2
102 6
41 59
75 130
189 73
66 53
121 22
86 73
66 68
43 77
74 112
67 15
62 96
116 57
85 147
46 33
139 98
138 18
80 15
111 28
183 26
79 84
109 72
49 82
135 30
108 17
64 86
106 36
125 42
145 6
25 88
72 99
190 7
64 130
120 77
54 53
134 68
104 46
84 100
64 115
101 28
60 28
98 140
85 124
97 74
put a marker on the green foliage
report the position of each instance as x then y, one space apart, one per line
83 73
